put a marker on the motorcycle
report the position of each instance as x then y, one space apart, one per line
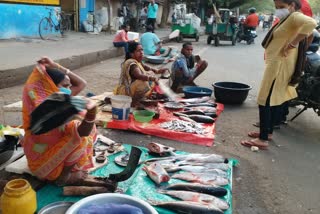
246 34
309 86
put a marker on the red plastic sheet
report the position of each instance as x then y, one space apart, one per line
153 128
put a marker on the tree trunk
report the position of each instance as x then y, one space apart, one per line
165 13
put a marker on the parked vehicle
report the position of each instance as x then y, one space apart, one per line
57 22
309 87
226 31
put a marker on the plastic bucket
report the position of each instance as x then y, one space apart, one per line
120 107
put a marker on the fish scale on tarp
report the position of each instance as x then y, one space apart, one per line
132 186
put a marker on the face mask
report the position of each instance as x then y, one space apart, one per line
65 90
282 13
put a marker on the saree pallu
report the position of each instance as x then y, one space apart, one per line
137 89
49 153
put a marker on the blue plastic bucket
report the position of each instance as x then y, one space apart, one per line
120 107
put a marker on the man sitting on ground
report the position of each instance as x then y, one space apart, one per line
121 38
186 68
150 42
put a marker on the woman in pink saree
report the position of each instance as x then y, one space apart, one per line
65 153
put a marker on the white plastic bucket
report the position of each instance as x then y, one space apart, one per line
120 107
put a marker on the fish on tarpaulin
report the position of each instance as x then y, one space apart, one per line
222 166
188 207
201 188
196 100
202 178
156 172
197 197
194 157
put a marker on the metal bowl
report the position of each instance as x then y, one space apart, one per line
231 92
155 59
56 208
111 198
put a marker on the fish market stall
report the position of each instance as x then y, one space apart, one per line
182 181
190 120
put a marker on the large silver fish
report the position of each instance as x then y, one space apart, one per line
202 178
201 188
222 166
202 169
197 197
188 207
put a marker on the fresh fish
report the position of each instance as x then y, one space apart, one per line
222 166
197 112
204 109
202 169
201 188
157 173
187 119
211 114
201 104
201 118
178 114
202 158
194 157
196 100
202 178
188 207
184 126
197 197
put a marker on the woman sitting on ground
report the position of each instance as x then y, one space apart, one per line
137 80
65 153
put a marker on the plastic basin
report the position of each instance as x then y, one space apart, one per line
117 198
196 91
155 59
143 116
231 92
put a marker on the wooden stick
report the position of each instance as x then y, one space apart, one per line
84 190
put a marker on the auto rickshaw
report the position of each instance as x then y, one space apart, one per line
224 29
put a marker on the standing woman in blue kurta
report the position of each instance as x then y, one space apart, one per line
152 14
281 57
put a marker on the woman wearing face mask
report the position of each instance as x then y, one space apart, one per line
281 55
64 153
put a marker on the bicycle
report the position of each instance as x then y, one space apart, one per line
50 26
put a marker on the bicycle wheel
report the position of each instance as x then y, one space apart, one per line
65 25
46 29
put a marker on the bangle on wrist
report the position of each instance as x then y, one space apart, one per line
89 121
67 71
292 46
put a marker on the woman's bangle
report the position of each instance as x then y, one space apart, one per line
67 71
89 121
292 46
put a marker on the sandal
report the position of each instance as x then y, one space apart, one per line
257 135
263 145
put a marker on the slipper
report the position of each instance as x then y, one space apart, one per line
257 135
250 143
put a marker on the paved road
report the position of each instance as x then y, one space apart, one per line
283 179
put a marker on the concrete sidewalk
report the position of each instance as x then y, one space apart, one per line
17 57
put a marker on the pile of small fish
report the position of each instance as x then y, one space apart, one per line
184 126
207 174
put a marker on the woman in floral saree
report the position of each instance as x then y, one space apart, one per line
65 153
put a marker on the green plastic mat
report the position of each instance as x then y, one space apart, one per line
133 186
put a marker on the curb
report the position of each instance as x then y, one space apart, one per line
17 76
